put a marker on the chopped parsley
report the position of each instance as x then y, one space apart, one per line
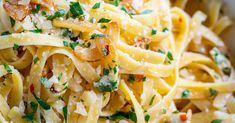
165 29
7 68
73 45
105 71
212 92
131 78
16 46
115 2
123 8
175 112
164 111
104 20
59 13
169 57
144 79
123 115
36 30
153 32
96 6
147 117
147 11
35 60
12 22
29 116
66 44
92 20
106 85
94 35
65 113
152 99
36 9
43 13
76 9
5 33
60 76
46 83
67 33
216 121
105 51
185 94
42 103
115 69
147 46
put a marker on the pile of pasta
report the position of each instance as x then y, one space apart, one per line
94 61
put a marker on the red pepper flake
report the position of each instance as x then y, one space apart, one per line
183 117
31 88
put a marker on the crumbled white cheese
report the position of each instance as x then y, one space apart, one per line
80 109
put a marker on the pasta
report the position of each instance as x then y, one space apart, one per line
126 61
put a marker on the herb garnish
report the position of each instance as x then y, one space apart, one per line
96 6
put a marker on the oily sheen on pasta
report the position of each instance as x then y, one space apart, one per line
115 61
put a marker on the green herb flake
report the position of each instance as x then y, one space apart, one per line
59 13
93 36
92 20
12 22
147 46
165 29
185 94
216 121
164 111
175 112
104 51
65 113
105 71
96 6
152 99
147 117
46 83
43 13
147 11
212 92
60 76
153 32
104 20
144 79
106 85
42 103
131 78
16 46
115 2
73 45
5 33
123 8
123 115
35 60
7 68
36 9
169 57
115 69
67 33
66 44
29 116
76 9
36 31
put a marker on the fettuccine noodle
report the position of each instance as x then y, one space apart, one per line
126 61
